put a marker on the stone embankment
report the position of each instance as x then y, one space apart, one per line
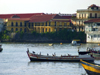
17 37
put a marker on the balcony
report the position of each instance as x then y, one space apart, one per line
96 27
92 32
15 26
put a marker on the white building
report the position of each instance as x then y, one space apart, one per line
1 24
92 12
92 30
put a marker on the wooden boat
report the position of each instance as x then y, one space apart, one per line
51 44
76 43
89 51
65 58
91 68
1 48
83 52
96 55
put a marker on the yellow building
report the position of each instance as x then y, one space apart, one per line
38 22
49 23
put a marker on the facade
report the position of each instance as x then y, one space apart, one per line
1 24
92 30
50 23
83 15
38 22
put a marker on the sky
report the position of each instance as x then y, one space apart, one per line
44 6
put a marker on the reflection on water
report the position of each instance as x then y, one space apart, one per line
57 68
14 59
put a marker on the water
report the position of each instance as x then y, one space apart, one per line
14 59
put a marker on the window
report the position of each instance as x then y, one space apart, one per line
79 16
43 30
95 15
25 24
85 15
46 29
25 30
49 23
16 29
99 36
20 24
60 29
46 23
32 24
82 15
95 35
65 24
11 23
20 29
12 29
55 23
98 24
90 15
79 22
49 29
16 24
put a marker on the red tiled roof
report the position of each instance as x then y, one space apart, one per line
93 20
42 18
69 17
62 20
59 17
19 19
28 15
24 15
33 17
5 15
93 5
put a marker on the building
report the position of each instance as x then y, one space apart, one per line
38 22
83 15
1 24
92 30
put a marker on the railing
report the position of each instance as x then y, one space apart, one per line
55 25
92 32
15 26
96 26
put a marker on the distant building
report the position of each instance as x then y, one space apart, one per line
1 24
83 15
92 30
38 22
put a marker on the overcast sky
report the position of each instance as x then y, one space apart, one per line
44 6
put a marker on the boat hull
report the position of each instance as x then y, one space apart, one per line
38 57
90 68
1 49
96 55
59 60
83 52
92 73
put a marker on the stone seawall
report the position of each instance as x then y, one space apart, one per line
17 37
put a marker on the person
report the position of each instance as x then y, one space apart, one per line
40 53
0 46
47 54
27 50
33 52
54 54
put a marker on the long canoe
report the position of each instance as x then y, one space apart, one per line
66 58
96 55
91 68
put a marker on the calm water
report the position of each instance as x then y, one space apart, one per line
14 59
